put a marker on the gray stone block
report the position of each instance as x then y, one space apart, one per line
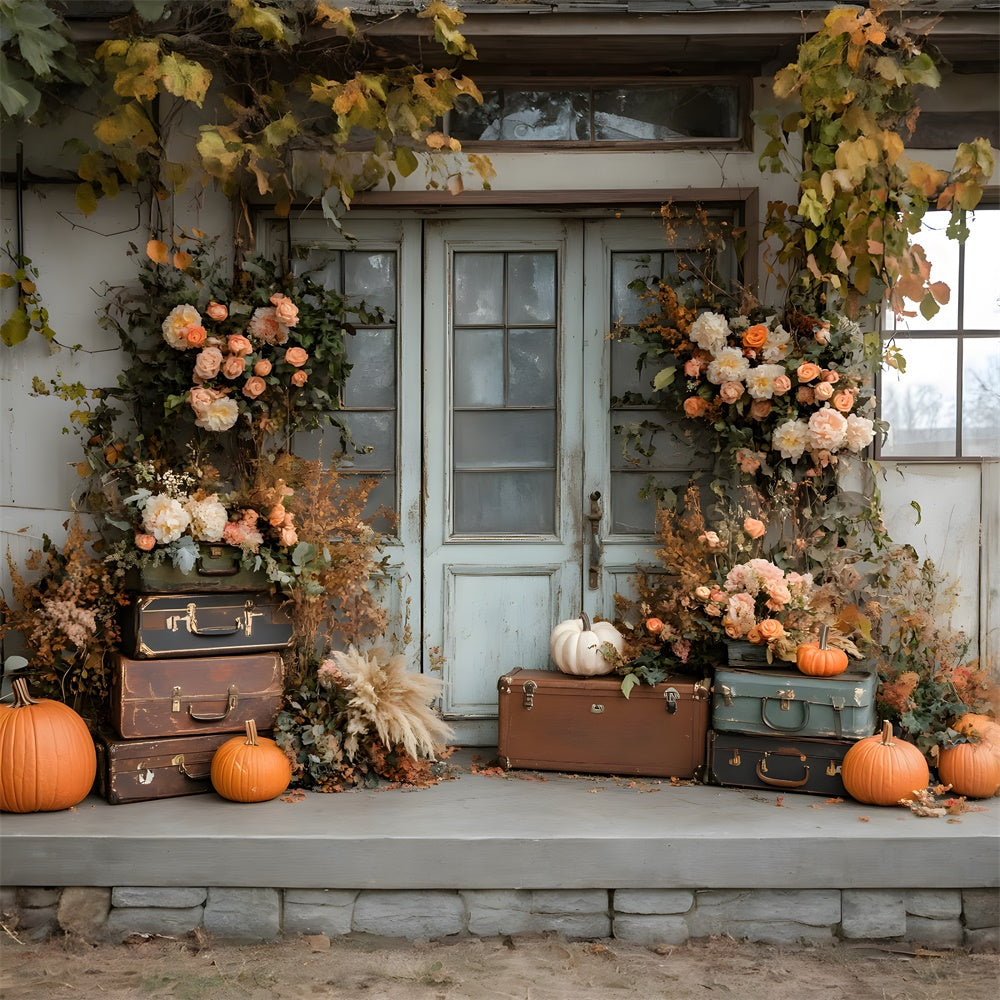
938 904
872 913
174 898
8 897
574 925
569 901
780 932
426 913
29 917
985 939
935 933
981 908
152 920
243 914
816 907
306 918
498 911
642 928
652 901
34 896
321 897
83 911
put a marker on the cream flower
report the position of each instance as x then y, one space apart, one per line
777 346
827 429
178 319
207 364
219 415
729 365
266 327
208 518
859 434
791 438
165 518
710 332
760 380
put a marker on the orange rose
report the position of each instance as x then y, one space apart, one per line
808 371
654 626
299 378
753 527
145 542
770 629
296 356
843 401
276 516
823 391
239 345
195 335
262 367
234 366
217 311
754 636
732 632
695 406
254 387
755 337
782 384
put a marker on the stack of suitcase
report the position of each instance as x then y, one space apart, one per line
199 657
785 731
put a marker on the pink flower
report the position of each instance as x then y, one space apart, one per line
782 384
822 334
749 461
217 311
692 368
831 376
276 515
288 537
730 392
207 364
843 400
760 409
265 326
827 430
200 400
145 542
753 527
806 395
239 345
695 406
711 539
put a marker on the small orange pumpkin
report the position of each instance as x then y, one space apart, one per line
251 768
880 771
971 768
820 660
47 755
987 729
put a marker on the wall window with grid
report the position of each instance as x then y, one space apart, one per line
947 403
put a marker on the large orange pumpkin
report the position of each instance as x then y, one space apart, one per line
47 755
971 769
880 771
251 768
818 659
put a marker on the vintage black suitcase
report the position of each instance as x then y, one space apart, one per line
551 721
169 625
779 764
217 568
205 694
140 770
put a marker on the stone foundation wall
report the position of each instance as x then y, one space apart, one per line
938 918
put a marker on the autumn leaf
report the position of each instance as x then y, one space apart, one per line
157 252
337 19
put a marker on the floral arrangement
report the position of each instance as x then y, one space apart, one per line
364 719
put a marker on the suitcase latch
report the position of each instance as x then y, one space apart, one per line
672 695
175 704
735 761
727 694
529 688
785 699
596 709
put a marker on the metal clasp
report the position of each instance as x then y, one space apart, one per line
672 696
596 709
175 704
529 688
727 694
785 699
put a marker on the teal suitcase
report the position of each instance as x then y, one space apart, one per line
790 703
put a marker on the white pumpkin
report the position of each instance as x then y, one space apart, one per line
575 646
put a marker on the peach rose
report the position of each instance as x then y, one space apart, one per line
730 392
782 384
703 593
285 309
217 311
844 400
288 536
749 461
254 387
822 334
754 636
695 406
262 367
831 376
239 345
145 542
276 515
234 366
753 527
207 364
195 335
299 378
755 337
770 629
805 395
711 539
823 391
692 368
296 356
760 409
732 629
200 400
808 371
654 626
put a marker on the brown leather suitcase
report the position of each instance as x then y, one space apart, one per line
140 770
205 694
170 625
551 721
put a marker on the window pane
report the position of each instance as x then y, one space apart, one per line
657 442
531 288
531 356
920 405
478 288
479 368
626 303
323 266
470 121
511 503
981 288
372 381
371 277
505 439
629 514
981 396
376 431
663 113
536 115
943 256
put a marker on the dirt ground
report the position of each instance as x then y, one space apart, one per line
536 967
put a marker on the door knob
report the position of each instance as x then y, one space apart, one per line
593 516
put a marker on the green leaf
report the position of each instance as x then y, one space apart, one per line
916 507
629 681
406 160
664 377
86 198
15 328
150 10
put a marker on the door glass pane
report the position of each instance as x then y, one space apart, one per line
372 381
489 439
980 286
478 288
981 396
374 434
510 503
631 514
920 405
479 367
531 360
531 288
372 278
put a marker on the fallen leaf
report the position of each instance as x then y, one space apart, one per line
318 942
834 800
863 819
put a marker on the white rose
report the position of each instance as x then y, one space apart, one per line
178 319
760 380
860 433
208 519
790 438
729 366
165 518
219 415
710 332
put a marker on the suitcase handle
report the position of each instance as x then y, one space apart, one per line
232 701
203 571
179 762
781 782
784 729
217 630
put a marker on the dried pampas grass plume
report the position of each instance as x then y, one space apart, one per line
394 700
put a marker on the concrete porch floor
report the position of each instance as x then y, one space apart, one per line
519 830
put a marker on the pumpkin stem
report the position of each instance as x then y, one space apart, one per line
21 696
824 631
587 623
886 733
251 740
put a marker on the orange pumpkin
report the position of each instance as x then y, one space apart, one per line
971 769
251 768
880 771
47 755
987 729
820 660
